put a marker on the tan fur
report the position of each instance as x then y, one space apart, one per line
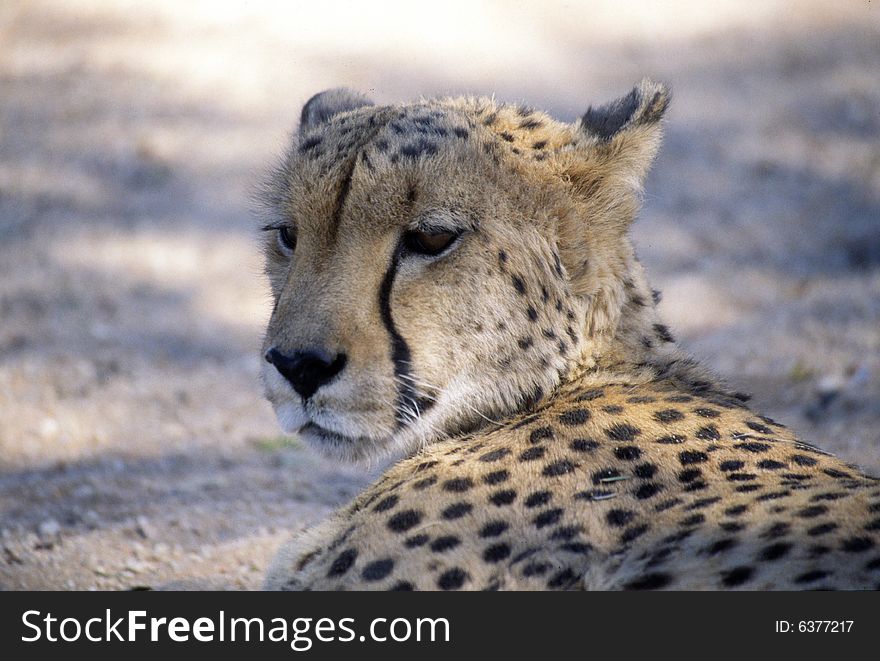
536 339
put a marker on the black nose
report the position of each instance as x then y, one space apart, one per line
307 370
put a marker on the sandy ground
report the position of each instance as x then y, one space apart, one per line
135 448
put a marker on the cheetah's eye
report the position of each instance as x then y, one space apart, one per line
429 243
287 239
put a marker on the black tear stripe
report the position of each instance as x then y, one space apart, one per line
407 395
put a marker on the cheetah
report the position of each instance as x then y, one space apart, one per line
455 289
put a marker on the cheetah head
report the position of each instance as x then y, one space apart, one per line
436 266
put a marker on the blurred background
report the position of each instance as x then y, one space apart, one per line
135 447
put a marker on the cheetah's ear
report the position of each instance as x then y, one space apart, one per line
321 107
644 106
622 138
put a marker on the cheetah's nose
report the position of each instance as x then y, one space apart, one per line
307 370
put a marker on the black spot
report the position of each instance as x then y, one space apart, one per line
496 553
742 477
576 547
613 410
775 551
458 485
748 488
706 413
605 475
497 477
777 530
812 512
831 472
310 143
649 582
421 147
645 471
622 432
663 333
812 576
647 491
562 579
445 543
386 504
495 455
566 532
736 510
589 395
721 545
532 313
377 570
773 495
460 132
770 464
627 453
827 496
416 540
702 503
708 433
731 526
548 518
672 439
536 569
342 563
761 429
689 457
736 576
530 124
619 517
633 533
531 454
456 510
504 497
752 447
689 475
507 137
540 434
680 399
857 544
540 144
518 284
693 520
668 415
403 521
583 445
731 465
802 460
574 417
538 498
452 579
561 467
424 483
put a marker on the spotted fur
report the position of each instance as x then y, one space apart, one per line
553 435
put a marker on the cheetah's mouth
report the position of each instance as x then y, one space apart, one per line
322 434
314 432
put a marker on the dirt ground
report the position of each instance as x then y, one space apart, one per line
135 447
